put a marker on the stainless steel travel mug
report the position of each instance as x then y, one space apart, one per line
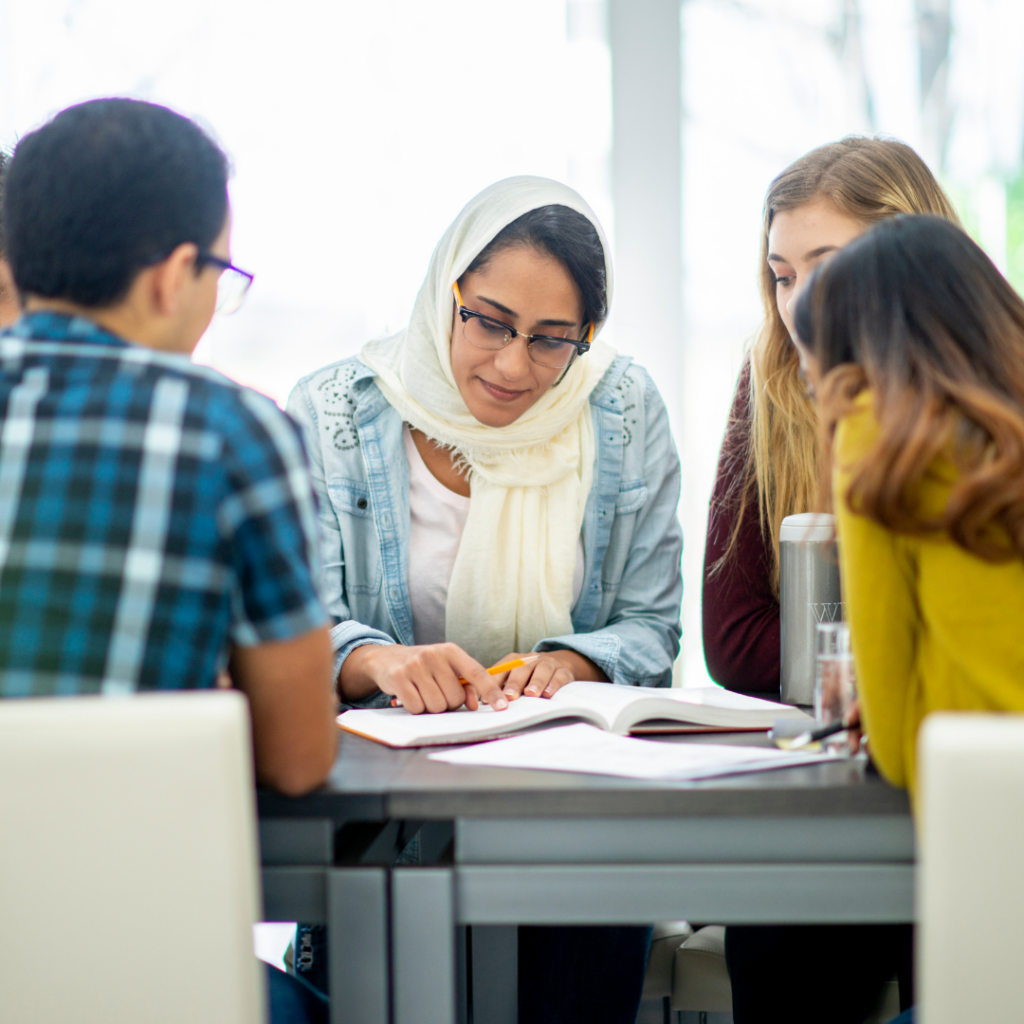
809 593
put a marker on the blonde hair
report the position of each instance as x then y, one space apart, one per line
869 180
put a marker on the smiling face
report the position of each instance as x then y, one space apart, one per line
798 241
533 293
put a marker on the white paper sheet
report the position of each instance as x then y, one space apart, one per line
583 748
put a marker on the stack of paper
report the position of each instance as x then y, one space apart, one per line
583 748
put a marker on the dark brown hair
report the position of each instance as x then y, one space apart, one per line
567 236
915 311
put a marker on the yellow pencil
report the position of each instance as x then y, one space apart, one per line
506 666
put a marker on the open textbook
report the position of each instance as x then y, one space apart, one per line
582 748
618 709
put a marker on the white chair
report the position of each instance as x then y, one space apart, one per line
688 968
700 979
668 937
127 833
971 838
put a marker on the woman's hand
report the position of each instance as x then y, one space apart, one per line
548 674
422 678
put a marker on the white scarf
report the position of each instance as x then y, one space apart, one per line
511 584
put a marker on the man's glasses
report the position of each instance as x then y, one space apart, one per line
233 285
552 351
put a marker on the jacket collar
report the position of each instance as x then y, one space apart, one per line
606 394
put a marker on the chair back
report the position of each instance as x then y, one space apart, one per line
970 879
128 868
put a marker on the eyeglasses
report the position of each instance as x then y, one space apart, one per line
547 350
233 284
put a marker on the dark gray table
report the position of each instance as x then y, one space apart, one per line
498 847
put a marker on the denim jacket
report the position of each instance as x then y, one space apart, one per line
626 618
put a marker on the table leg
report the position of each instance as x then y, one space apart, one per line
357 945
495 966
423 945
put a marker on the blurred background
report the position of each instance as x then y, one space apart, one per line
358 130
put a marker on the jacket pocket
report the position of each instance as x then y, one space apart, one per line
351 496
360 547
631 498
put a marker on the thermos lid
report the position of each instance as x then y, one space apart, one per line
807 528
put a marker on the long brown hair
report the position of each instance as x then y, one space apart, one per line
916 312
869 180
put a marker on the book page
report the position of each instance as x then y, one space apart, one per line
622 707
584 748
719 697
605 699
399 728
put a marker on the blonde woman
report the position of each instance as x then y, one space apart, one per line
769 468
769 464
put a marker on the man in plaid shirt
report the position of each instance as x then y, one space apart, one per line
156 520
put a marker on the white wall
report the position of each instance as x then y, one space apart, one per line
357 131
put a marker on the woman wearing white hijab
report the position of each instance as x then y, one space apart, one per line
546 518
493 480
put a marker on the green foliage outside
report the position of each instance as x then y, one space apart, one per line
963 200
1015 231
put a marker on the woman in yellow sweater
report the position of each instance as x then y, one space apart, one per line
914 344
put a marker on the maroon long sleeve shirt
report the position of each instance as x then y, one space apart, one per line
740 612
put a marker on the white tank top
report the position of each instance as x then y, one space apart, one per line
437 517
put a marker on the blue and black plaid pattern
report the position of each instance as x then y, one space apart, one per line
152 514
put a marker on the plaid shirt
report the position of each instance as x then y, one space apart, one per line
152 514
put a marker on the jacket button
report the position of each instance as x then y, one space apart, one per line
361 503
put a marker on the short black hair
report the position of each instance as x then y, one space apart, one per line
105 189
563 233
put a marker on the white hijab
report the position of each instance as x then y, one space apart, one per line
511 584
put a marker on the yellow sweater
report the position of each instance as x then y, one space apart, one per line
933 627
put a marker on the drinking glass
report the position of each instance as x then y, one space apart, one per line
835 685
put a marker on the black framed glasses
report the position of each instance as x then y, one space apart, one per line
485 332
233 285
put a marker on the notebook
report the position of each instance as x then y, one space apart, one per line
582 748
617 709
